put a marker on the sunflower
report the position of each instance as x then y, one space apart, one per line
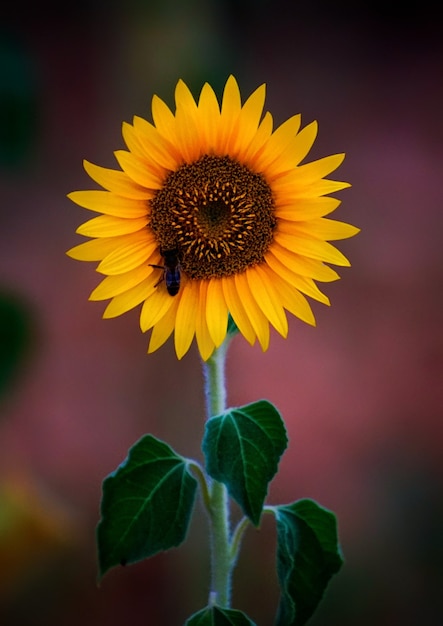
211 215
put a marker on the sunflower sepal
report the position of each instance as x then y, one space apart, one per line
243 447
233 329
146 505
308 555
218 616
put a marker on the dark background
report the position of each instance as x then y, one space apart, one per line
361 394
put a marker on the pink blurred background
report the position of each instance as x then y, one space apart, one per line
361 394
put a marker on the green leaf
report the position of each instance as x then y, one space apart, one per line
216 616
242 448
308 555
146 506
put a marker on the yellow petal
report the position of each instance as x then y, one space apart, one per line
97 249
231 102
160 150
188 140
216 312
249 120
304 142
253 151
306 208
278 141
294 152
204 342
185 321
109 204
138 149
237 310
127 257
185 100
310 247
324 187
230 110
251 112
138 169
155 308
186 125
257 318
260 284
132 141
330 230
163 328
164 120
129 299
302 283
117 182
114 285
303 265
320 168
287 189
110 226
293 301
209 113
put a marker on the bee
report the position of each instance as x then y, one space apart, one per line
171 271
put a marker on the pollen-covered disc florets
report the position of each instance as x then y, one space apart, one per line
217 213
221 203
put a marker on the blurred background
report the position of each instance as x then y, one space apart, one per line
361 394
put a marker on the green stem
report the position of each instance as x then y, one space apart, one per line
221 562
215 388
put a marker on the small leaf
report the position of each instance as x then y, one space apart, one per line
216 616
146 506
232 326
308 555
242 448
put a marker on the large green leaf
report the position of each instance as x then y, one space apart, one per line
242 448
308 555
216 616
146 506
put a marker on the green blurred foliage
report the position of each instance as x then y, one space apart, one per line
15 339
18 103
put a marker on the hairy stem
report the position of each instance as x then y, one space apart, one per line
221 562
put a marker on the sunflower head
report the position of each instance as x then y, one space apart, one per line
211 214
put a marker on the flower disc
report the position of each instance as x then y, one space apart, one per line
217 213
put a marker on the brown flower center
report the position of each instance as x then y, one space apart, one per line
217 213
